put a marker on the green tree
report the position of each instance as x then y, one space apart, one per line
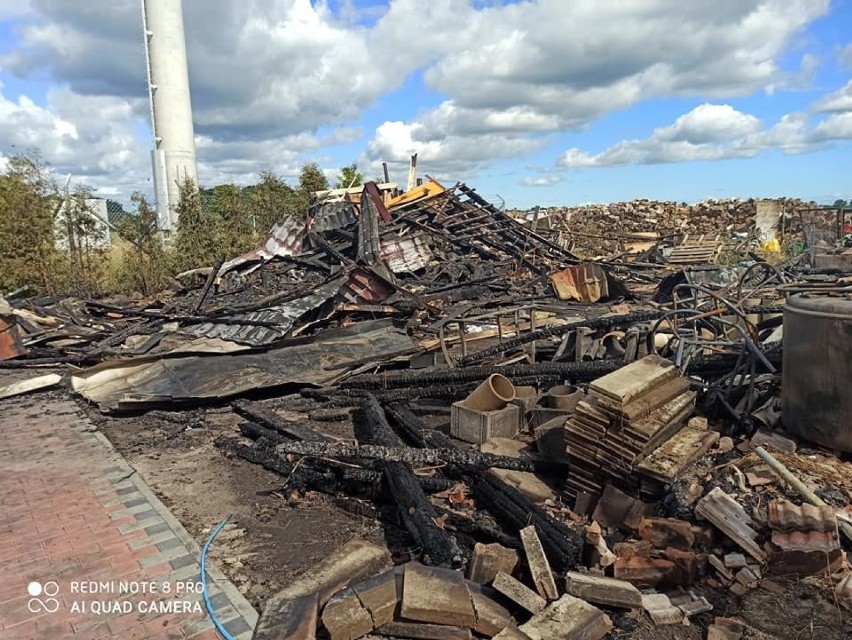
231 220
270 200
144 266
81 233
195 243
839 204
28 205
349 177
311 178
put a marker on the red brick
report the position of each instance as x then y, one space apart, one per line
667 532
646 572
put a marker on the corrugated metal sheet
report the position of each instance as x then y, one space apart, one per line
285 239
150 382
282 316
333 215
364 286
405 255
585 282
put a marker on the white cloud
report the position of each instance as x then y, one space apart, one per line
267 73
837 126
705 133
11 9
718 131
395 142
840 100
545 181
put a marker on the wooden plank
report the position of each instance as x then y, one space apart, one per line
30 385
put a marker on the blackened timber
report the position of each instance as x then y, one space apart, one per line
407 424
338 397
513 509
561 544
439 548
712 366
256 455
342 480
254 431
423 457
208 285
254 412
477 527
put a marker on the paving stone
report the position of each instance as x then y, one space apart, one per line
567 619
379 596
519 593
436 595
345 618
488 560
539 566
601 590
491 617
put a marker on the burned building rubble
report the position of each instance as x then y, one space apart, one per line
573 434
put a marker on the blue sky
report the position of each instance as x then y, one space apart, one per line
542 102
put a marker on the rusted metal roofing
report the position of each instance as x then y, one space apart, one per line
585 282
786 516
10 341
406 255
365 286
286 238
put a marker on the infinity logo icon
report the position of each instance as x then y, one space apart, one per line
47 604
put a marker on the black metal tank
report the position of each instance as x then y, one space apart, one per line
816 389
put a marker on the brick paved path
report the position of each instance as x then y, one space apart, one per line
73 512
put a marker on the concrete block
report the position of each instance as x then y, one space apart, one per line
601 590
519 593
472 425
490 559
539 566
431 594
568 618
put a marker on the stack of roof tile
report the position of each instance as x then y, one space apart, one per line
626 415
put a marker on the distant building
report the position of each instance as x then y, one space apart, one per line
97 210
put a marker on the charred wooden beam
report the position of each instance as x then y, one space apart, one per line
439 548
338 480
256 413
422 457
703 366
208 284
561 544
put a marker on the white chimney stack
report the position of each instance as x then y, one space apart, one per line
171 107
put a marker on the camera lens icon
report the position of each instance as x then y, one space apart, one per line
43 597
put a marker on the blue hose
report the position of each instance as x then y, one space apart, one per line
207 604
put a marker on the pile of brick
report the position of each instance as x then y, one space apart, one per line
590 227
626 415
